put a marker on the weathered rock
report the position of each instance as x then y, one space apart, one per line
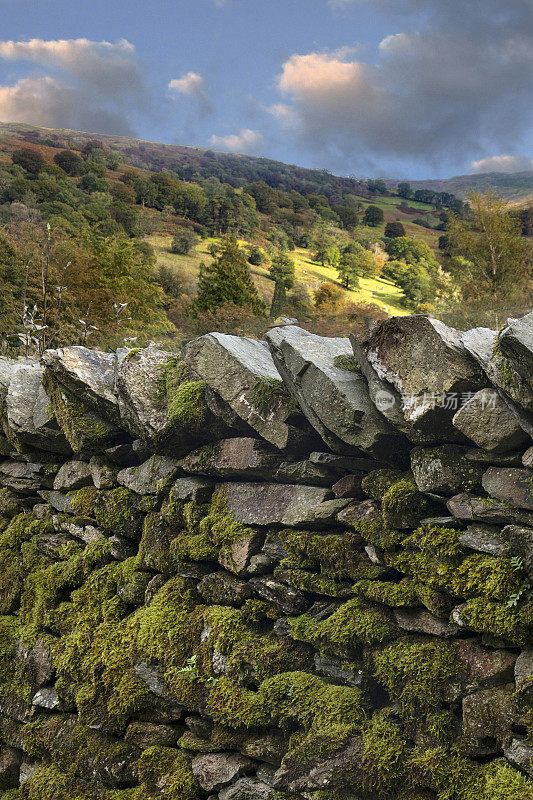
149 734
47 698
520 755
213 771
300 776
87 432
89 374
245 457
348 486
523 671
151 677
37 662
416 621
198 490
150 477
357 512
483 345
489 714
514 486
26 478
29 418
344 673
520 541
247 789
121 548
222 588
241 371
335 400
73 475
515 341
344 464
487 421
485 668
236 557
271 503
484 539
494 459
483 509
103 474
10 761
425 368
527 458
287 598
445 469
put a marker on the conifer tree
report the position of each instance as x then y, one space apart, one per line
227 280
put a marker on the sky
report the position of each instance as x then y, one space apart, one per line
371 88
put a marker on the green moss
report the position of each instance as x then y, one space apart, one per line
9 503
502 782
347 362
85 431
188 407
311 582
452 776
355 622
168 768
83 501
383 764
379 481
267 394
395 595
417 674
498 620
375 532
338 556
211 531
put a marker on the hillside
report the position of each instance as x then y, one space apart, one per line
238 170
515 187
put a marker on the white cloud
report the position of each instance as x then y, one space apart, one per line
458 84
503 164
246 141
191 84
95 85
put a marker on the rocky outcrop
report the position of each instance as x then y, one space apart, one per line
295 569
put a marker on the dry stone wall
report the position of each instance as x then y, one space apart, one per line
296 568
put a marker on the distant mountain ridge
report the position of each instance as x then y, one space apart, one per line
239 170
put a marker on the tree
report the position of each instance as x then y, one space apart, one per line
184 242
498 257
348 271
282 273
404 190
377 186
321 245
373 216
356 262
256 257
412 251
394 229
69 162
348 215
227 280
30 160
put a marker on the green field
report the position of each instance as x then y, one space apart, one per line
381 293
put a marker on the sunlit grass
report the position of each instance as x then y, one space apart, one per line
381 293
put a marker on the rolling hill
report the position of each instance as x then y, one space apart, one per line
238 170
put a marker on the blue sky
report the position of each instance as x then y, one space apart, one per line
405 88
